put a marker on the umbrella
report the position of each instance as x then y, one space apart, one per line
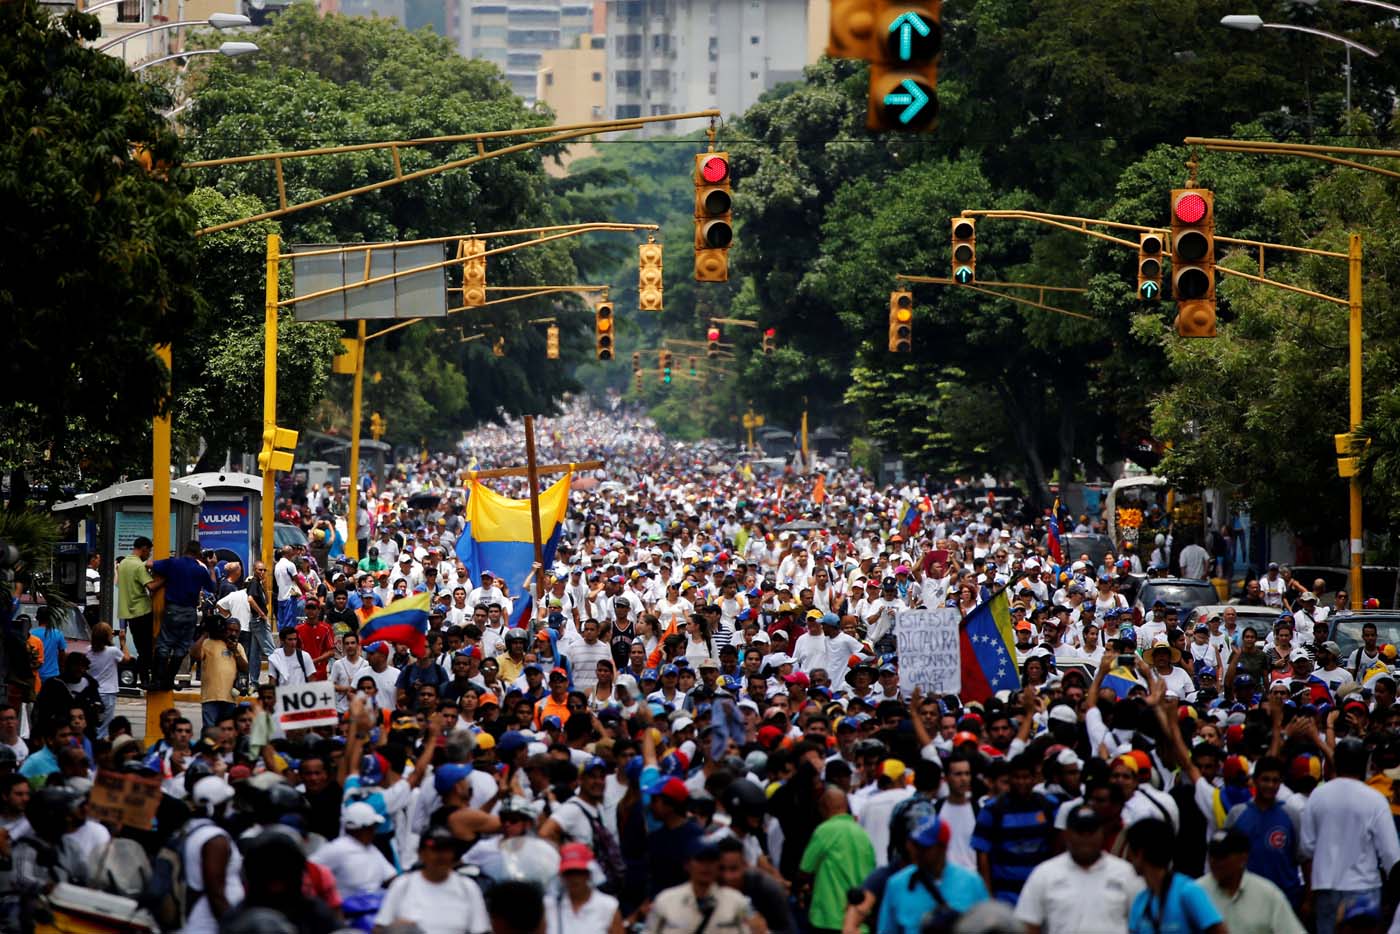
424 500
800 525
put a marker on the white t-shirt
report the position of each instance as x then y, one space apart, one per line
201 919
348 673
596 914
961 822
284 574
287 668
452 906
1062 897
875 814
357 867
102 666
573 817
236 602
1349 835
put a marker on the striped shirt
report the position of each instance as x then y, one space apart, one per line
1016 835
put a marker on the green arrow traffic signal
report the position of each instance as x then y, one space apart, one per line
963 274
1150 289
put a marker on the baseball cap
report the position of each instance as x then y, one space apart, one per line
931 831
359 816
670 787
1083 819
575 857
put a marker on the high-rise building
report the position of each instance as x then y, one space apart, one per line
573 83
670 56
512 34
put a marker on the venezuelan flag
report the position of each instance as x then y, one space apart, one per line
988 650
498 536
1052 539
403 621
1121 680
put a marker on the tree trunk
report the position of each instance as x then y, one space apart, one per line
1026 438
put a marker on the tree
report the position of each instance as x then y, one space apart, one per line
99 267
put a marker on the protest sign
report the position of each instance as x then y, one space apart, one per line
929 654
124 800
302 706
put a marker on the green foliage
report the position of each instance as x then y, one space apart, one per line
99 259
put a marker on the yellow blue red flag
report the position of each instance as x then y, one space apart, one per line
498 536
403 621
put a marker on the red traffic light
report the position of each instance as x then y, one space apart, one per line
1190 208
771 332
714 170
712 334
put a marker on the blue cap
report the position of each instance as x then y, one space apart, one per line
649 674
669 670
1158 602
887 670
594 762
745 615
552 723
850 723
1205 671
929 832
535 665
510 741
830 619
633 770
1127 632
447 776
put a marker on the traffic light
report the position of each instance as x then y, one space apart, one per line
603 330
1149 287
649 278
713 228
770 341
964 249
904 66
473 273
690 362
376 425
901 321
637 370
551 342
852 29
663 360
1193 261
277 447
712 345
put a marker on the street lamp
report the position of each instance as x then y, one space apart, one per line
230 49
218 21
1251 23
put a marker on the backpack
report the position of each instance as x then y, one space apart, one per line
166 894
605 849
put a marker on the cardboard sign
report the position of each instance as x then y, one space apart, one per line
930 657
303 706
124 800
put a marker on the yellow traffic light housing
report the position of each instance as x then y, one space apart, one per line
270 458
551 342
376 425
650 283
964 249
852 29
473 272
498 348
714 230
690 362
904 49
344 362
1149 282
770 341
663 360
901 322
1193 261
603 330
712 342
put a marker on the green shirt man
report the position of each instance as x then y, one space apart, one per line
838 858
133 597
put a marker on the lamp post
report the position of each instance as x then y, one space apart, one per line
229 49
217 21
1251 23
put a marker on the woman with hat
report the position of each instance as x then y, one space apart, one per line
1166 664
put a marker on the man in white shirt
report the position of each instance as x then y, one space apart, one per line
1083 890
585 655
358 866
877 807
840 646
348 670
810 650
284 578
1349 835
290 665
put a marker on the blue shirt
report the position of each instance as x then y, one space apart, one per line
184 577
907 899
1187 909
38 766
1016 835
53 644
1273 844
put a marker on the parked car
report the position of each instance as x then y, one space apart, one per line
1346 628
284 534
1095 546
1183 593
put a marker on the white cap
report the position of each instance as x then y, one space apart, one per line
1069 758
210 791
359 816
681 723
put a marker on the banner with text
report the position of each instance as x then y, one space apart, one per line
929 655
124 800
303 706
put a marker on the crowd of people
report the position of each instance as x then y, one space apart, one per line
701 727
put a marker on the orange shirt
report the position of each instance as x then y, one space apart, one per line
547 707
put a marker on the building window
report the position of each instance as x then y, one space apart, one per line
753 76
597 76
753 40
549 79
628 110
629 81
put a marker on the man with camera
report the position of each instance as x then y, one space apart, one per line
220 655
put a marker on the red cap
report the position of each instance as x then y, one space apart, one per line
797 677
768 736
575 857
675 790
965 737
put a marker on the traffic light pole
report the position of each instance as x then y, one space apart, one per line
1353 303
1320 153
987 288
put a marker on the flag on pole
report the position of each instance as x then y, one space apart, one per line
498 536
988 651
1052 539
912 520
403 621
